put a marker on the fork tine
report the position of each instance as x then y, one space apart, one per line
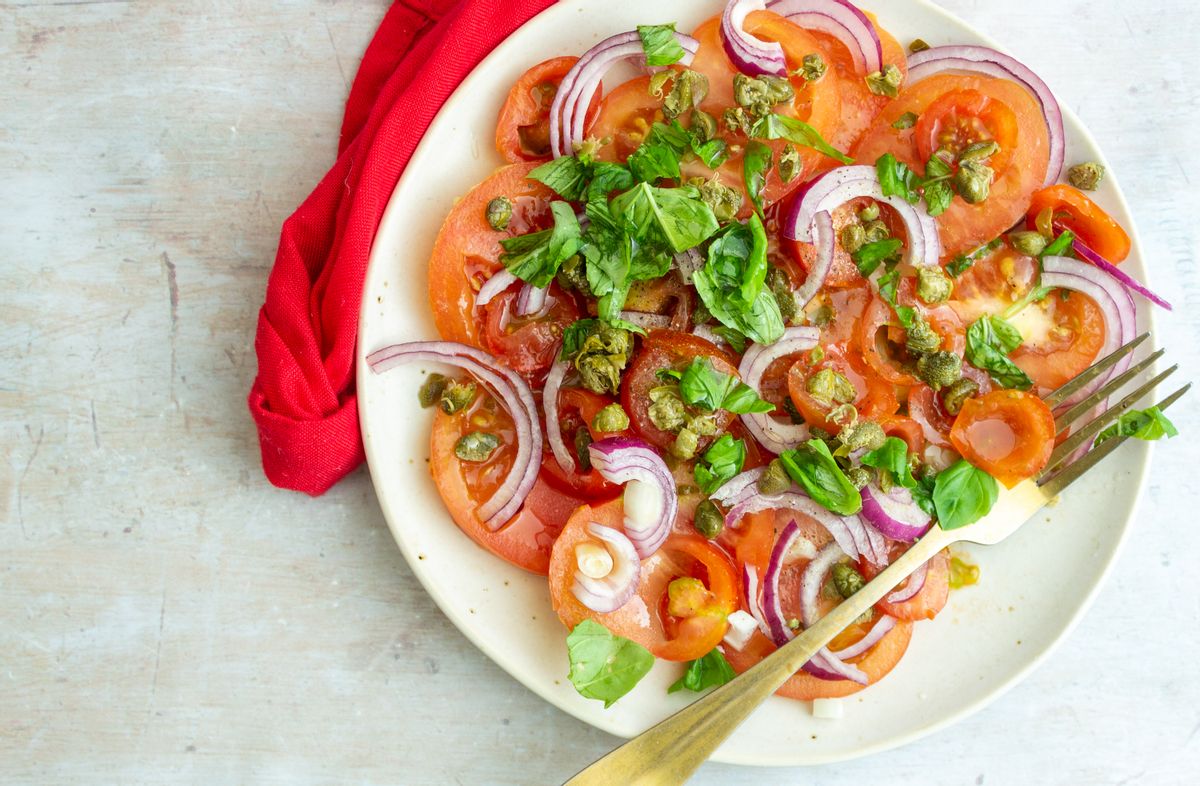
1112 386
1071 444
1073 472
1095 370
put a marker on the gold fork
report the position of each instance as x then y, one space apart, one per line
669 752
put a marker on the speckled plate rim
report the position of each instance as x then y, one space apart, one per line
391 499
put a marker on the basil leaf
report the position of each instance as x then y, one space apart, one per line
938 197
963 494
923 494
888 283
936 167
652 161
607 177
705 388
661 46
711 671
1059 246
963 262
712 152
797 132
989 341
756 162
604 666
574 335
733 336
742 400
566 176
536 257
814 469
896 179
869 256
723 459
731 282
1147 424
676 217
893 457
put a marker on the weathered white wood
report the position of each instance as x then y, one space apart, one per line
165 615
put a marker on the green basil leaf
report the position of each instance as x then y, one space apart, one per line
797 132
923 494
607 177
604 666
888 283
756 163
574 335
705 388
938 197
893 457
675 217
742 400
990 339
661 46
536 257
814 469
712 152
1146 424
936 168
731 282
896 179
963 494
711 671
1059 246
566 175
653 161
870 256
963 262
723 459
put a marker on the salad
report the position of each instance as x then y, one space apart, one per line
732 332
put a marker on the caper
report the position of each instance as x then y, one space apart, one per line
686 443
736 119
432 389
704 125
847 580
789 163
973 181
456 396
611 419
812 67
858 477
572 275
779 90
667 412
704 424
828 386
869 213
933 285
749 92
979 151
1028 242
1086 177
921 337
602 357
781 287
853 237
708 519
687 91
724 200
823 315
905 121
499 211
774 480
863 434
956 394
877 230
583 440
658 81
939 369
476 446
886 82
918 45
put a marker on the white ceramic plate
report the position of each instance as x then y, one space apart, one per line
1033 588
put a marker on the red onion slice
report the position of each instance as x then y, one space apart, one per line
839 186
510 391
569 108
532 300
916 582
775 435
748 54
499 282
841 20
894 514
837 526
1120 275
554 381
882 627
736 485
825 239
750 587
614 590
630 462
824 664
988 62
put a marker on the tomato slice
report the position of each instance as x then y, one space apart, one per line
969 108
577 409
932 597
647 617
526 540
1007 433
907 429
880 337
925 409
1074 210
844 272
467 250
523 128
667 349
528 345
875 397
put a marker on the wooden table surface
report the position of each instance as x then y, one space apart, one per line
167 616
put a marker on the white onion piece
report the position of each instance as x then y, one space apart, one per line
737 484
841 20
775 435
989 62
554 380
499 282
741 628
632 462
748 54
511 392
708 334
839 186
614 590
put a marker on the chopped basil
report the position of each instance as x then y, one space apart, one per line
870 256
1059 246
963 494
654 160
1146 424
892 457
707 389
731 283
605 666
963 262
756 162
566 175
607 177
896 179
905 121
661 46
723 459
536 257
813 467
676 217
711 671
798 132
990 339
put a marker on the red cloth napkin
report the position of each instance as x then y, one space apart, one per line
303 400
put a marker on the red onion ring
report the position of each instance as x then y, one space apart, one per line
623 460
569 108
748 54
916 582
824 664
532 300
774 435
499 282
838 186
882 627
988 62
825 240
554 380
614 590
841 20
1120 275
736 485
840 528
894 514
750 589
510 391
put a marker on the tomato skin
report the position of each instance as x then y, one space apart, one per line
875 399
522 130
674 350
959 118
1007 433
907 429
929 601
578 407
925 408
1075 211
645 618
528 346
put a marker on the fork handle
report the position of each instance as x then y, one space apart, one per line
669 752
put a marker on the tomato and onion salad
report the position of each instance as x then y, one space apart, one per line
732 335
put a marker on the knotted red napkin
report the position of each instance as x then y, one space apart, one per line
303 400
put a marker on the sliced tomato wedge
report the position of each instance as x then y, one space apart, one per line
678 632
875 397
1007 433
1072 209
523 128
